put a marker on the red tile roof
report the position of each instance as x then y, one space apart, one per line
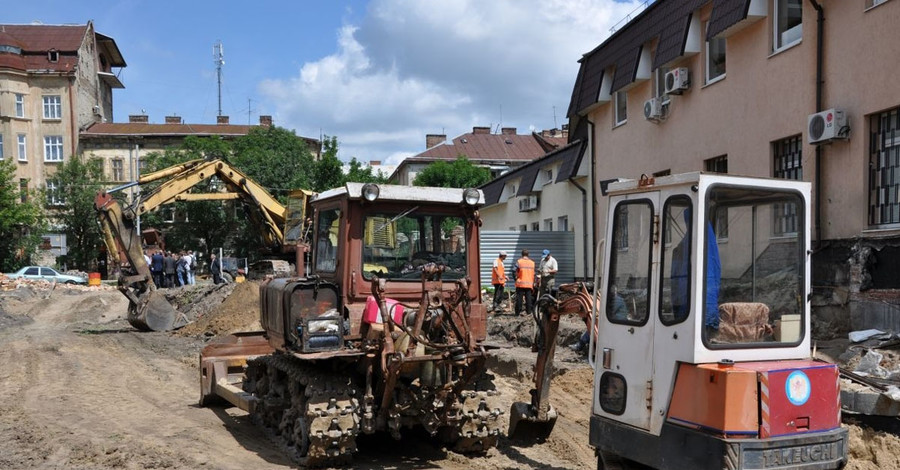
36 40
499 147
109 129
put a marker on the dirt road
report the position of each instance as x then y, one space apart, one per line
83 390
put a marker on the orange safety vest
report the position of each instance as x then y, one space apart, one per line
525 273
498 274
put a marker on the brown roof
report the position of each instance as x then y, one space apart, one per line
570 156
36 40
498 147
110 129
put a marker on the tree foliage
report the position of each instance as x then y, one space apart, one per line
460 173
359 173
77 182
21 223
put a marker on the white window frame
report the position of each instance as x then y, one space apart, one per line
620 112
52 107
783 39
53 198
22 147
117 165
562 223
53 148
874 3
547 175
708 59
1 146
20 105
548 225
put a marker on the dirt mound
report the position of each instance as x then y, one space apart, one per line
238 311
872 450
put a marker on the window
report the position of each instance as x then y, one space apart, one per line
874 3
23 154
20 105
676 262
53 148
1 146
396 244
54 193
52 107
23 189
717 165
523 228
327 240
788 158
788 23
535 226
884 168
118 169
720 216
53 56
547 175
629 270
621 107
562 223
548 225
715 59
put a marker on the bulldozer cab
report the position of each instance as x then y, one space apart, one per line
699 268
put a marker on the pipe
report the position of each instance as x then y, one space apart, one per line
820 47
594 202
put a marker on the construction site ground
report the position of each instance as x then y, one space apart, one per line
82 389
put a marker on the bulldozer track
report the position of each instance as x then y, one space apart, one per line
479 426
314 413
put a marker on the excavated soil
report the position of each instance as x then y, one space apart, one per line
83 390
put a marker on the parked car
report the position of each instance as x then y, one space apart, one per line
46 274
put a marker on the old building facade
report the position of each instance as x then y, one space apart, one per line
799 89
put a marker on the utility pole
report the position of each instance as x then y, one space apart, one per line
219 60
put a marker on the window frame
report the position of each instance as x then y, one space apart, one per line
778 40
53 188
52 106
22 145
118 173
707 60
664 269
20 105
1 146
53 148
622 109
883 184
562 223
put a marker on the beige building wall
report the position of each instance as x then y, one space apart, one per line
765 97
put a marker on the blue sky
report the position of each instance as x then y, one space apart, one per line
378 74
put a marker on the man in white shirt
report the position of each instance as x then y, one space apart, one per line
548 270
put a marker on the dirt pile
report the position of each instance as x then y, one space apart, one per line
872 450
238 310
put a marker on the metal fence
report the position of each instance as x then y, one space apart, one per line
560 244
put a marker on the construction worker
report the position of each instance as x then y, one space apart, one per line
498 280
524 283
549 268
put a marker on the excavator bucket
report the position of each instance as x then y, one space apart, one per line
152 312
526 425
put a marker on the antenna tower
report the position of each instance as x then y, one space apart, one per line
219 60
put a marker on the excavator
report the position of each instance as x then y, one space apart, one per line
282 228
701 344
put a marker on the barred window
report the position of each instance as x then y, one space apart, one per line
788 154
884 168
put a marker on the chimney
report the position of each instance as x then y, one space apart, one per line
508 131
265 120
221 119
143 118
434 139
374 162
173 119
481 130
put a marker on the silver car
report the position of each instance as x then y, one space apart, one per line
46 274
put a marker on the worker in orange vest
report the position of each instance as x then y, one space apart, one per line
498 280
524 283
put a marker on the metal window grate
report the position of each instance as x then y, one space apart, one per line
788 165
884 168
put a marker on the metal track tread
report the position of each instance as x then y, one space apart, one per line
479 427
314 412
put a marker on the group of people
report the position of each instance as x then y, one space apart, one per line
526 281
172 269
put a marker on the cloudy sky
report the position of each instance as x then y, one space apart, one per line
378 74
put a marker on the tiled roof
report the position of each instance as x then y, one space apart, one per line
42 38
112 129
36 40
487 147
665 20
570 157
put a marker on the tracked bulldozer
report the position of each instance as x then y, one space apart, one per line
385 333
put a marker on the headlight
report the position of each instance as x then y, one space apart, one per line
471 196
370 191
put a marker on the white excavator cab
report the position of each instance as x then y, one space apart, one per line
704 328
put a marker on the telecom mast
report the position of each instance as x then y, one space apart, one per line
219 59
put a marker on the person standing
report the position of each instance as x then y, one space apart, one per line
169 266
181 268
102 266
548 270
524 283
215 269
156 268
191 266
498 280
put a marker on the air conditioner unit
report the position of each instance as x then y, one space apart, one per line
827 125
677 80
653 109
528 203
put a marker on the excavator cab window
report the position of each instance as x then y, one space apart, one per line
629 276
396 246
327 240
753 289
675 269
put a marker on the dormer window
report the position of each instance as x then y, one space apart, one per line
53 56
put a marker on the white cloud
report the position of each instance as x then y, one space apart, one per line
410 68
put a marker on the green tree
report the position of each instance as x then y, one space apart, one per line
276 158
329 170
460 173
21 222
70 194
358 173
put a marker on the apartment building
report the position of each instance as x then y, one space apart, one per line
798 89
55 81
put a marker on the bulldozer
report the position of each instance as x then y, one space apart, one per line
699 329
283 229
385 333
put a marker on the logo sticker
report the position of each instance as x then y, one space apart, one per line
797 387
